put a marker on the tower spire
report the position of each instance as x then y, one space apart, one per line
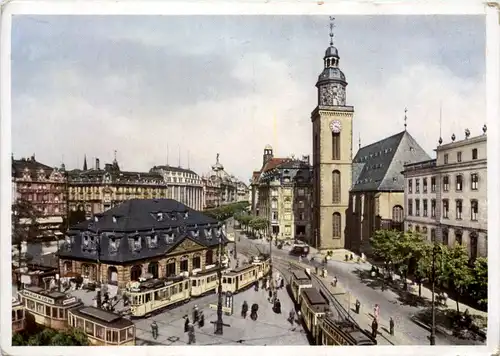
114 156
85 162
332 26
406 110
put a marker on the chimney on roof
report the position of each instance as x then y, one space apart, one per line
97 164
33 157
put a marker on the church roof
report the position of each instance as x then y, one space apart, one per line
126 231
378 167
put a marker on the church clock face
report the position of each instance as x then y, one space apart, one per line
335 126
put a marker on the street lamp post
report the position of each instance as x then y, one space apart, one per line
219 324
432 337
99 281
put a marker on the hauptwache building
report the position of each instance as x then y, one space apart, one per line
161 237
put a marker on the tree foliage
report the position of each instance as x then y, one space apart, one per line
227 211
414 256
25 225
51 337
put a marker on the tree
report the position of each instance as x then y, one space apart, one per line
51 337
25 227
479 286
384 243
455 270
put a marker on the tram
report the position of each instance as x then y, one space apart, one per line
102 327
334 332
204 282
155 294
49 309
18 316
313 307
299 280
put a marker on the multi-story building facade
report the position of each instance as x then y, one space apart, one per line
45 188
377 193
184 185
446 198
285 192
332 154
242 191
97 190
219 187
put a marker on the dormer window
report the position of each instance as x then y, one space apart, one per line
186 215
208 234
137 242
169 238
85 241
115 220
113 245
159 216
96 218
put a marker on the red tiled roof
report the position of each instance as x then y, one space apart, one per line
273 163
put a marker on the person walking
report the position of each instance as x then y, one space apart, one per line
391 326
201 321
376 311
335 281
154 330
358 306
244 309
195 314
291 316
374 328
186 324
191 335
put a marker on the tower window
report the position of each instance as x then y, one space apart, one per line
336 225
335 187
335 145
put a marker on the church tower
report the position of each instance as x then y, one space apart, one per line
332 154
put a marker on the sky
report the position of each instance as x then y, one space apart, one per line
173 89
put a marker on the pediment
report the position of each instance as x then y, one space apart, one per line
186 245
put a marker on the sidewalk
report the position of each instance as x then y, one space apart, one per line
365 316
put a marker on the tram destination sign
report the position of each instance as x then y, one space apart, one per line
39 297
69 301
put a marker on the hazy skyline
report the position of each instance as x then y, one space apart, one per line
216 84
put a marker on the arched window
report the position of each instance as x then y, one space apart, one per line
336 146
170 268
397 213
417 228
184 264
196 261
458 237
336 225
153 269
335 187
135 273
112 275
209 257
445 238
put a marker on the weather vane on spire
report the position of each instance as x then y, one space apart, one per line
406 110
332 26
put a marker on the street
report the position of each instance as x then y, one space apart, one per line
389 303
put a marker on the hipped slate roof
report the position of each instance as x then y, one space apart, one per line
138 219
377 167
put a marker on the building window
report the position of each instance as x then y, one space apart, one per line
433 234
459 209
417 185
459 182
410 207
417 207
417 228
301 192
433 208
196 261
433 184
424 182
275 215
397 213
446 158
184 264
446 183
301 204
425 207
209 257
336 187
446 208
288 216
458 237
459 156
410 186
445 238
474 209
274 204
336 223
335 146
474 181
474 153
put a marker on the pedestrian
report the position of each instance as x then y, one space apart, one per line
291 316
270 295
282 283
352 257
391 326
154 330
201 321
277 306
186 324
253 313
374 328
358 306
244 309
191 335
346 257
256 286
195 314
376 311
335 281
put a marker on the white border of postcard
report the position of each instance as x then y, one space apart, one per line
319 7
